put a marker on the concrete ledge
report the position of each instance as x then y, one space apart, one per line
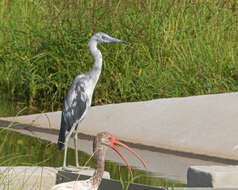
172 123
213 176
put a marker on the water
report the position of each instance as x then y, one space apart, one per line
11 108
21 150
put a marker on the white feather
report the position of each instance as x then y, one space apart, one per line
75 185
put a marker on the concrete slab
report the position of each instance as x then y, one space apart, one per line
27 178
205 125
213 176
38 178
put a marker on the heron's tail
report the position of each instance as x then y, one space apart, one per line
62 132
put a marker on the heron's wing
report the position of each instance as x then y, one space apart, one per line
75 104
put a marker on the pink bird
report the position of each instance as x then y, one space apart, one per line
100 145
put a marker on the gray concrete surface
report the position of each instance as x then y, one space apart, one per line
37 178
201 125
204 125
213 176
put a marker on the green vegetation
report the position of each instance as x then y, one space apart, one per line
177 48
22 150
10 108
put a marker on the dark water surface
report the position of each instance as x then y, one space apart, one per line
9 107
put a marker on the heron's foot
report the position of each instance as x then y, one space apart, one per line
69 168
82 167
74 168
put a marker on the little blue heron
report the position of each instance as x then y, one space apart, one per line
79 96
101 143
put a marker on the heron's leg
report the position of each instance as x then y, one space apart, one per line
76 147
65 152
76 150
66 144
66 149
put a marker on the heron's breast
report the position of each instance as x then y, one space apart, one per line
90 89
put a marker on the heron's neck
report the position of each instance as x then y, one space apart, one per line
99 157
97 56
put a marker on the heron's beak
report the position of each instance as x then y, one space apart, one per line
111 39
116 142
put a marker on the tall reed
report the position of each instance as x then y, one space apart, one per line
177 48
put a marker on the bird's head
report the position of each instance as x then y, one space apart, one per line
107 140
101 37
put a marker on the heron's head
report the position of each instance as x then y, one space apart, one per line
104 140
101 37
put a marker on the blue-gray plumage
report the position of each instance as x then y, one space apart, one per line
79 96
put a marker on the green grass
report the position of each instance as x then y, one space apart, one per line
177 48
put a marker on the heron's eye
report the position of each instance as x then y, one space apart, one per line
103 37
